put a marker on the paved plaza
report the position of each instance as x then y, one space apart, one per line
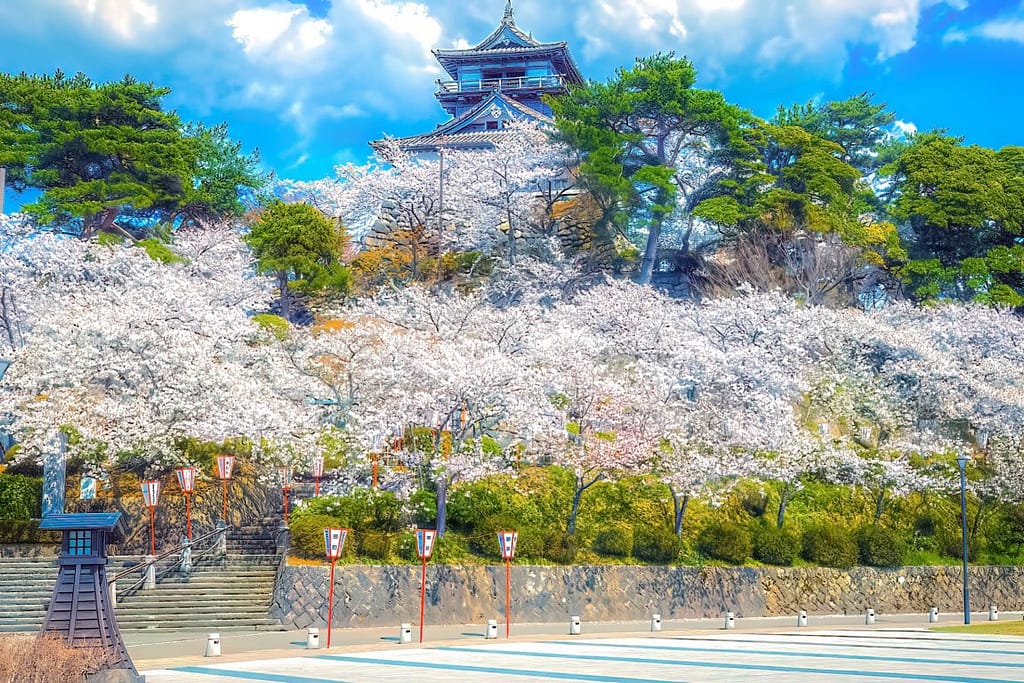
845 655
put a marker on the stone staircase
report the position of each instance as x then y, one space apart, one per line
26 586
229 593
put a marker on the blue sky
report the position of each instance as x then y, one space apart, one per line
310 83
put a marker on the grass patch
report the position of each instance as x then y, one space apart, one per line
994 628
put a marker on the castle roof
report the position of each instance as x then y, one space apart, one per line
463 132
508 40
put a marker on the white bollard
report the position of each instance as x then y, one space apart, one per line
312 638
150 581
492 629
730 620
869 616
405 634
212 645
801 619
993 613
933 615
655 622
574 626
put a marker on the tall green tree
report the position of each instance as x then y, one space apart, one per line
226 181
651 141
857 124
961 209
101 151
301 248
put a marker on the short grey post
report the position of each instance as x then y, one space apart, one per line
730 620
112 588
933 615
993 613
405 633
655 622
869 616
491 631
574 625
150 582
312 638
801 618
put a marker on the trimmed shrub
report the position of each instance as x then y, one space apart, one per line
725 541
656 545
615 541
829 546
560 547
26 531
307 536
880 547
773 545
21 497
375 545
422 506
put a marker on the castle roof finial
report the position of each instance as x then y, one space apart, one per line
508 18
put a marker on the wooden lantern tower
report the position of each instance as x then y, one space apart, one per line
80 611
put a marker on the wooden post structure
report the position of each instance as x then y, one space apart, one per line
334 545
151 497
187 482
424 548
225 466
507 544
80 611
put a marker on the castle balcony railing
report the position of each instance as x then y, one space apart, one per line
551 82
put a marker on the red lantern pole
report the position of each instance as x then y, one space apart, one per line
286 486
330 607
152 531
187 482
508 597
318 473
334 543
507 545
424 547
225 465
151 496
423 596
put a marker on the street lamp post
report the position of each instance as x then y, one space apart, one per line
961 461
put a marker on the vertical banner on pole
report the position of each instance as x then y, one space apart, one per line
424 548
286 486
187 483
334 545
507 545
225 466
151 496
318 473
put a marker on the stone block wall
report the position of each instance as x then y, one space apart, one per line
385 596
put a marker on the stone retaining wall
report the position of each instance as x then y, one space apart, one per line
385 596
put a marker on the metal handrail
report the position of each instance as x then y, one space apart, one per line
547 81
145 566
176 550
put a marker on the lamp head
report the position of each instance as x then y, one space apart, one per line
961 460
4 364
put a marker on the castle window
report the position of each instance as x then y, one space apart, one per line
492 125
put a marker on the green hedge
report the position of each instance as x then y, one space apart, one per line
725 541
307 536
615 541
657 545
21 497
26 531
829 546
773 545
880 547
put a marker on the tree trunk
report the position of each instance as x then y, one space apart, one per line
285 296
879 505
783 501
650 253
571 529
679 503
511 236
442 506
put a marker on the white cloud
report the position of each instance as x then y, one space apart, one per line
721 34
284 31
1009 27
126 18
